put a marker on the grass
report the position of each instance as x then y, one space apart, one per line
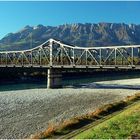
68 126
122 126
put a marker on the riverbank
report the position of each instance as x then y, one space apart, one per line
78 125
124 125
26 112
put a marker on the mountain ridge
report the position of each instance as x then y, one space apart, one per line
79 34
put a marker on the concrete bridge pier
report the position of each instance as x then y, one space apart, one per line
54 78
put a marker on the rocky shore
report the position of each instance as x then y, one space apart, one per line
25 112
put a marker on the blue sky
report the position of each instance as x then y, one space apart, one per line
15 15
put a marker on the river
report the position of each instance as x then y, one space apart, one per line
74 81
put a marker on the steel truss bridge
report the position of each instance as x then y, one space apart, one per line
56 54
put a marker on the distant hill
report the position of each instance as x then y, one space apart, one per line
88 34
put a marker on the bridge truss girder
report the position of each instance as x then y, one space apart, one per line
54 53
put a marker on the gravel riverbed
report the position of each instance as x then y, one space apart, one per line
25 112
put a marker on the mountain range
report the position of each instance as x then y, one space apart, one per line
88 34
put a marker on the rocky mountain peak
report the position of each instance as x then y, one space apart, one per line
87 34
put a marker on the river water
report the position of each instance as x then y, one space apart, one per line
72 81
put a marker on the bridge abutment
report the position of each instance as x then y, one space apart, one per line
54 78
